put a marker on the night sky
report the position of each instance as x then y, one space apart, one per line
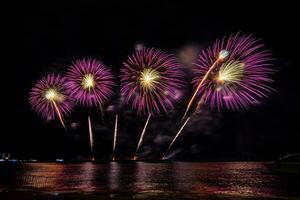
46 37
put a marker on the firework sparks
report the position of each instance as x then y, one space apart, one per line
90 82
234 74
150 81
230 72
115 136
49 97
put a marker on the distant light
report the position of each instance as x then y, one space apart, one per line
59 160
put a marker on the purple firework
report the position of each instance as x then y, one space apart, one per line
234 73
90 82
151 81
49 97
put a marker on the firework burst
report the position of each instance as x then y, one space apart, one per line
50 98
234 73
150 83
90 82
150 79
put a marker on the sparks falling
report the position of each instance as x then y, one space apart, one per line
59 115
52 95
115 136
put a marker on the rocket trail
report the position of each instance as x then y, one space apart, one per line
175 138
199 86
91 135
115 137
59 114
142 137
198 109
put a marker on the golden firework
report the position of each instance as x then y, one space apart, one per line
149 78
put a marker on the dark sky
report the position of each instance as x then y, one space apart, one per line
45 37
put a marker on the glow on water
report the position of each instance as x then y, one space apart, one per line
176 179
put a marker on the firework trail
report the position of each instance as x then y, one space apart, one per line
176 136
222 55
59 114
198 109
142 136
115 136
91 135
90 83
49 98
151 83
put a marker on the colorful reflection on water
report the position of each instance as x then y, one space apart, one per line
177 179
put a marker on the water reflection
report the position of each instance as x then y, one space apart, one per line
148 179
39 177
114 176
151 177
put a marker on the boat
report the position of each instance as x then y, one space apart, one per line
289 164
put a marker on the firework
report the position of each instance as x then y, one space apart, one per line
90 83
150 81
115 136
234 73
50 98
